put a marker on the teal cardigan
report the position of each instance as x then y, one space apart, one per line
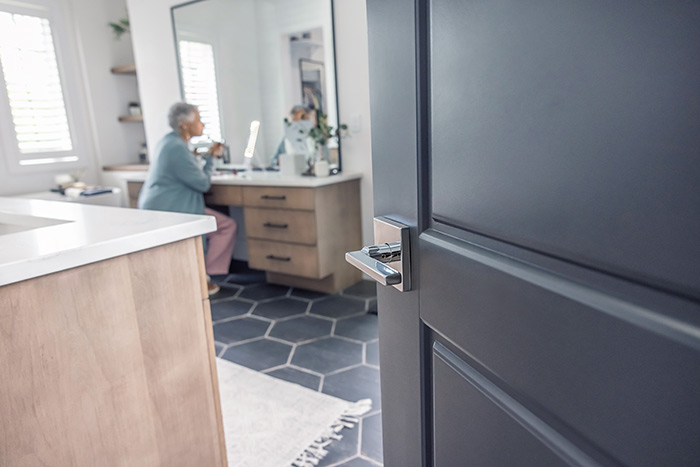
175 182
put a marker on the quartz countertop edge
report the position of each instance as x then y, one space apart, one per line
270 179
79 234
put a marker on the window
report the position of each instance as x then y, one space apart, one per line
199 83
34 90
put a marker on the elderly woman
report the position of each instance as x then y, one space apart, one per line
298 113
176 182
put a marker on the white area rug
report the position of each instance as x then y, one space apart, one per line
272 423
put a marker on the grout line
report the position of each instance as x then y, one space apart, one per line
287 318
345 368
291 354
328 318
278 367
305 370
246 341
278 340
311 340
364 353
299 299
245 300
231 318
369 459
349 339
359 436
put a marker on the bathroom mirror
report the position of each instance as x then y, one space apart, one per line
245 60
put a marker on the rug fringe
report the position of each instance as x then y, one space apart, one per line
313 454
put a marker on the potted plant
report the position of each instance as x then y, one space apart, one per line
319 137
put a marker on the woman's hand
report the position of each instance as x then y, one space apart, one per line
216 149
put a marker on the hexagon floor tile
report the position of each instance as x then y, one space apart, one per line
372 437
361 328
259 355
352 385
297 376
301 329
372 353
237 330
337 307
226 291
363 289
281 308
229 308
327 355
263 291
328 336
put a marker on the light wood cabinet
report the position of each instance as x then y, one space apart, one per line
111 363
298 235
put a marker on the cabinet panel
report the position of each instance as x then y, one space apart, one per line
279 197
286 258
283 225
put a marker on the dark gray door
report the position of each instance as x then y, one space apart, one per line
546 155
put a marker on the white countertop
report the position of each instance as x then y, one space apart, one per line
42 237
262 178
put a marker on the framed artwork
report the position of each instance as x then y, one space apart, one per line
313 85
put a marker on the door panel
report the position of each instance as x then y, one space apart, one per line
572 128
615 373
473 423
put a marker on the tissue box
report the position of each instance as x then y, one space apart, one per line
292 164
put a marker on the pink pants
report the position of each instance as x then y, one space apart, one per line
220 243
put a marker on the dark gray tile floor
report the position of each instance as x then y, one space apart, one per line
327 343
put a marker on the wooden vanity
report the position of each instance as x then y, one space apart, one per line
298 228
106 345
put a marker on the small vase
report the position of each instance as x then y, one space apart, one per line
323 153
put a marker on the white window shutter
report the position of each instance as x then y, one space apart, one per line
34 89
199 83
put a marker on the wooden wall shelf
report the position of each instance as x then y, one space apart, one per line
125 69
131 118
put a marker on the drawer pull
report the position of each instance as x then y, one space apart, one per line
275 226
282 197
279 258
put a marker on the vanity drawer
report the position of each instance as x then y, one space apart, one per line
279 197
224 195
282 225
286 258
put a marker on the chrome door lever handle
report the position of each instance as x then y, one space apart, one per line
375 269
392 248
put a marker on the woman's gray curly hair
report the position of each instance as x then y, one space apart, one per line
180 112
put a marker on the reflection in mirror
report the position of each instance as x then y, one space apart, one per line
245 60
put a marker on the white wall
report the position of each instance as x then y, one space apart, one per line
154 50
353 100
108 94
103 98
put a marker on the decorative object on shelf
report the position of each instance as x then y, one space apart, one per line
120 27
129 69
131 118
134 108
143 154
